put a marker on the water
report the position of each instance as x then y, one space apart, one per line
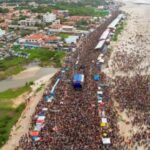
142 1
139 1
21 79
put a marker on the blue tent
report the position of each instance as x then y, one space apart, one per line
96 77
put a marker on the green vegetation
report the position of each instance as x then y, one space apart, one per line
8 117
118 31
25 32
22 17
81 10
14 65
82 25
3 10
74 9
12 70
15 21
80 2
93 2
40 88
45 56
13 93
8 114
63 35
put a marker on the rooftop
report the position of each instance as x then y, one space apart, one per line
41 37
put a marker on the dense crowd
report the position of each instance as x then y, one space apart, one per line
133 95
72 119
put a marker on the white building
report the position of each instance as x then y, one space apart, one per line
49 17
29 22
2 32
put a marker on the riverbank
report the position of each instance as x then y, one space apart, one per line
31 74
23 124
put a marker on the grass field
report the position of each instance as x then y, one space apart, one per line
8 114
14 65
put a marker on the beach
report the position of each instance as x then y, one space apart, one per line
134 43
128 67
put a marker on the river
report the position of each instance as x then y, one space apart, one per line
30 74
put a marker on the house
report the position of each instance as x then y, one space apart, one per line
61 13
72 39
29 22
2 33
38 40
4 25
10 36
79 18
22 27
34 4
69 23
49 17
67 28
100 7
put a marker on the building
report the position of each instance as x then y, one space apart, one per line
68 28
79 18
38 40
61 13
49 17
29 22
22 27
34 4
72 39
2 33
10 36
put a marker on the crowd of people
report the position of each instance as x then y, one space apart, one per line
131 86
132 54
133 95
72 118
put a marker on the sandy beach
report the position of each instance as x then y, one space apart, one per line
134 43
130 56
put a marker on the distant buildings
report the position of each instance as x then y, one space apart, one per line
49 17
